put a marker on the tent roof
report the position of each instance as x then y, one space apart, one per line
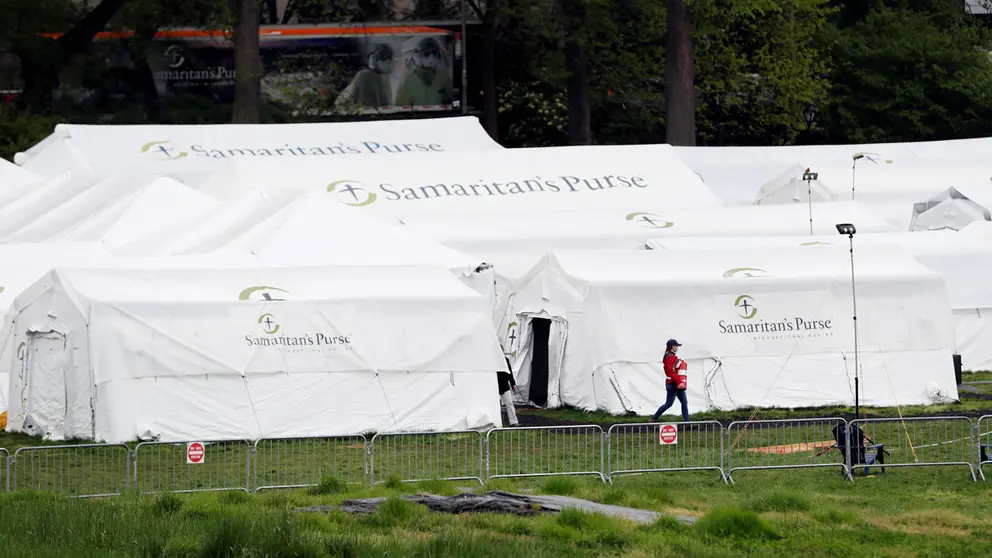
176 149
832 264
12 176
532 180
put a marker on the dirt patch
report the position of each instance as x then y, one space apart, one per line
925 523
793 448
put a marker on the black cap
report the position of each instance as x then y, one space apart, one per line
672 342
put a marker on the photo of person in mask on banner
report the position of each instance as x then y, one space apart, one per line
428 79
371 87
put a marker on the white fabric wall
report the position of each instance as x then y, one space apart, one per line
621 306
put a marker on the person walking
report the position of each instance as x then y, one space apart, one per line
507 386
672 364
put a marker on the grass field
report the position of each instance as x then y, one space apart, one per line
936 512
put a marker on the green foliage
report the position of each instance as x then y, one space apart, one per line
781 501
329 485
20 129
904 75
561 486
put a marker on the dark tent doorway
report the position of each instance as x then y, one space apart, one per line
540 337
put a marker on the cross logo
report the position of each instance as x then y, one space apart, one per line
746 304
269 325
263 293
174 55
163 150
352 192
649 220
745 272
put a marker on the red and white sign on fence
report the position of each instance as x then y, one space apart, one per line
668 434
195 454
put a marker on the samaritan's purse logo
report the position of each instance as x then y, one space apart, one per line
787 327
744 272
163 150
649 220
746 305
352 192
263 292
272 333
270 325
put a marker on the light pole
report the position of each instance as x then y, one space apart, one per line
809 115
809 177
849 230
854 171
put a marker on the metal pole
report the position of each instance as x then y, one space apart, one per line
809 201
464 62
854 299
854 171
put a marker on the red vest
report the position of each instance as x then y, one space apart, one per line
671 363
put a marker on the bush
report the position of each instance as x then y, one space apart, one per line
329 485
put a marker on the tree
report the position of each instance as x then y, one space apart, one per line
576 64
43 59
489 12
247 61
680 94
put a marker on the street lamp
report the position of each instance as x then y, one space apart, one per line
849 230
809 177
854 170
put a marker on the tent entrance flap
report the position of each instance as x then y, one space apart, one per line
540 336
45 383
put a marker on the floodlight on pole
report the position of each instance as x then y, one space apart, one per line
849 230
854 171
809 177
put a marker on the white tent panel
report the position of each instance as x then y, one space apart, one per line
192 149
13 176
204 354
797 351
962 262
950 209
511 181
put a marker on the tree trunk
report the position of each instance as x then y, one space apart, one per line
247 61
490 102
41 70
579 111
680 95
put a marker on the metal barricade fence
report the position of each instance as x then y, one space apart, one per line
424 456
983 438
545 451
80 470
192 466
5 469
915 442
784 444
301 462
661 447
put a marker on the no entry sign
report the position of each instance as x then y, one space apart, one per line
194 452
668 435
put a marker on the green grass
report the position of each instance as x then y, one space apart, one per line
777 513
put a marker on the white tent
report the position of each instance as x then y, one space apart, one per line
963 262
296 229
13 176
766 328
178 150
508 181
949 209
116 355
114 210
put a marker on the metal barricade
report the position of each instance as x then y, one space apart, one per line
202 466
915 442
545 451
654 448
80 470
784 444
300 462
5 469
983 439
424 456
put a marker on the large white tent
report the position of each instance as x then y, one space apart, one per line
766 328
965 264
116 355
510 181
189 150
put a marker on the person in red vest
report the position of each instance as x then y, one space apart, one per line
672 364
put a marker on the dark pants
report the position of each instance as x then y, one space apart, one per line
671 392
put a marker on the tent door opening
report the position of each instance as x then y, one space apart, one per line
45 383
540 336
